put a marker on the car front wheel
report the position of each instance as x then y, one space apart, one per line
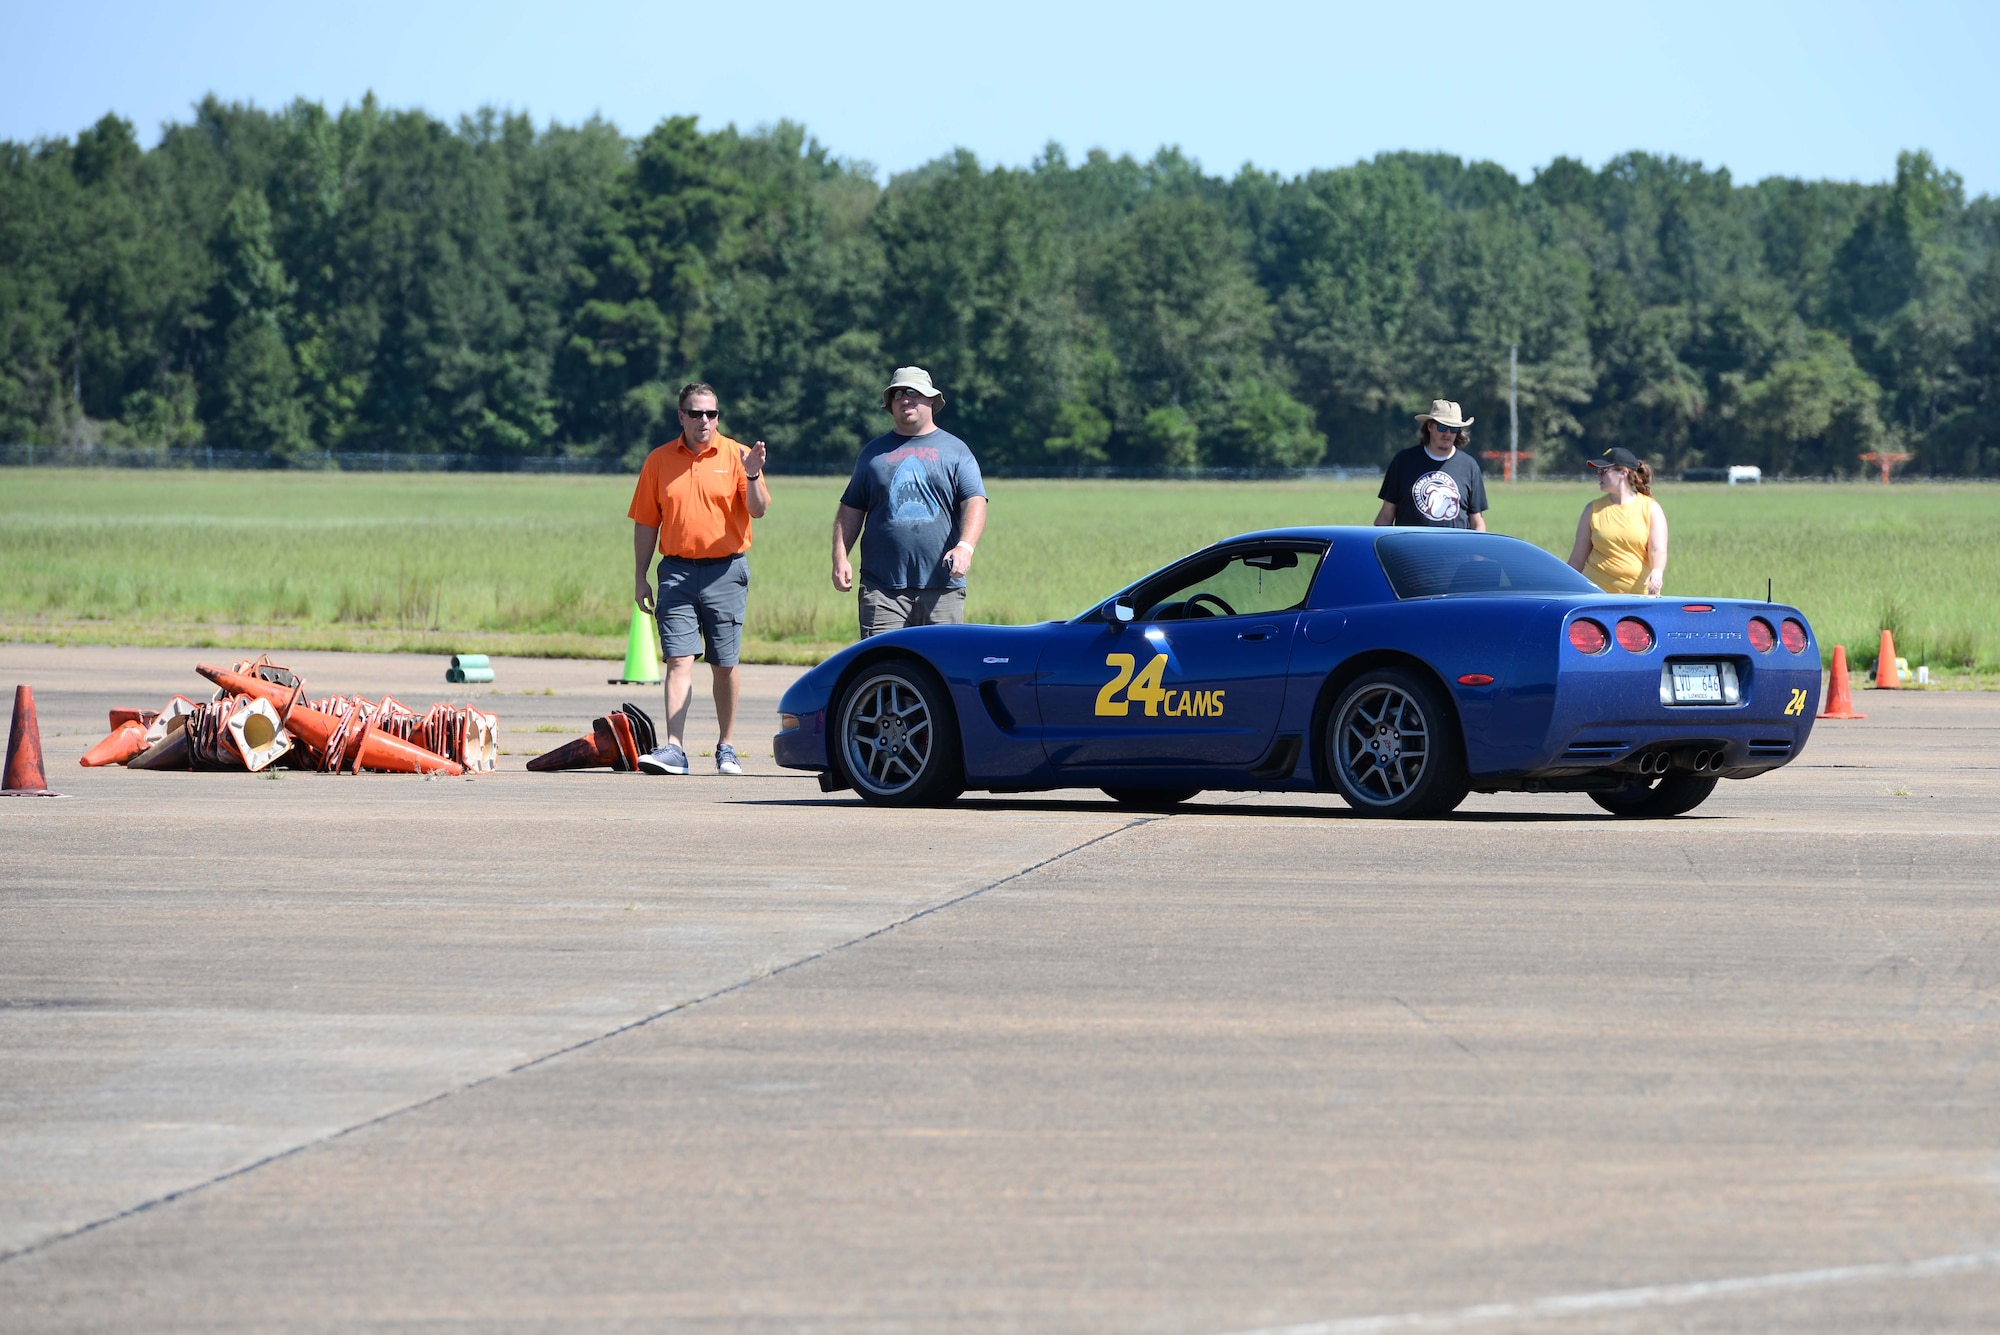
1393 746
898 739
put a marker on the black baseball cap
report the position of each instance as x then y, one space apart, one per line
1615 457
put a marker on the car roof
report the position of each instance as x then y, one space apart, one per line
1304 533
1328 532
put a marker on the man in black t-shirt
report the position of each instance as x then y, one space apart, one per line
1436 483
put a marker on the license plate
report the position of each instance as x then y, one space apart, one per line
1697 683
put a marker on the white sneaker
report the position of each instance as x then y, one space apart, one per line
725 759
668 759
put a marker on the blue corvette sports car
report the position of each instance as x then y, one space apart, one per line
1401 668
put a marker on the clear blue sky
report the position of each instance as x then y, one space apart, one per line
1827 89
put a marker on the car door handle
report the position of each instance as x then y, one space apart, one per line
1259 633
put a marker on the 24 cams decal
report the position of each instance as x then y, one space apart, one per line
1147 690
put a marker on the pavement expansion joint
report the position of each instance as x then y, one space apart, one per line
418 1105
1437 1029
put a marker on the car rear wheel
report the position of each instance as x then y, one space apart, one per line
1657 799
1150 799
1393 746
898 738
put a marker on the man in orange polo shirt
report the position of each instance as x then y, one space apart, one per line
696 497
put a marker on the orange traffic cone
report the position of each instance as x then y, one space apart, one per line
128 739
373 749
605 748
23 776
1839 698
1885 665
597 751
628 745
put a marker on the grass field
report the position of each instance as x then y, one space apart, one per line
541 565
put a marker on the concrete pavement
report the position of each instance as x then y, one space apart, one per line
603 1051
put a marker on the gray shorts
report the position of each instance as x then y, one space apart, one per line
700 607
892 609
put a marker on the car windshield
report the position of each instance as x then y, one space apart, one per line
1425 563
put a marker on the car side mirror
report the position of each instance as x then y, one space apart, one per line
1118 611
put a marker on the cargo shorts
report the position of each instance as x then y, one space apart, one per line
892 609
700 607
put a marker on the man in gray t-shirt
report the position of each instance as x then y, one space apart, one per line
918 505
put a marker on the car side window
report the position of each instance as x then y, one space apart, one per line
1244 583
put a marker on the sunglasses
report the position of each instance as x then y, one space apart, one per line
710 413
1445 430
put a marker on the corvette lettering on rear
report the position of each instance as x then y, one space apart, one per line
1146 688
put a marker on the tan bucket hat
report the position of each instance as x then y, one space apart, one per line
912 377
1445 413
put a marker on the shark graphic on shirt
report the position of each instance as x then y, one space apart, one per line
911 499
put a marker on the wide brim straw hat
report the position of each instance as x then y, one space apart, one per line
1445 413
912 377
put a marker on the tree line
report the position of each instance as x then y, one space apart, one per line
301 281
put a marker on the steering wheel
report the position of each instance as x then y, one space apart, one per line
1199 598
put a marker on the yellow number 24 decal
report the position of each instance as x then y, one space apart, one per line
1108 702
1797 704
1147 689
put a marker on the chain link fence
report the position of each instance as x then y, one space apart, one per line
341 461
386 461
383 461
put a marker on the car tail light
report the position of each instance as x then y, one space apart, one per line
1762 638
1634 636
1794 635
1588 636
1697 607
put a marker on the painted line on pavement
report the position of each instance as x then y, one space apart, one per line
1652 1295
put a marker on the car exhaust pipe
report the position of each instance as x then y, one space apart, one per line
1700 761
1653 762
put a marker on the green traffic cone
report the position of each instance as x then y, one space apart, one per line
642 653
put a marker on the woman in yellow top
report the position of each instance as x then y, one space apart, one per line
1621 537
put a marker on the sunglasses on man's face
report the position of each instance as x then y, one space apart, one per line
1444 430
710 413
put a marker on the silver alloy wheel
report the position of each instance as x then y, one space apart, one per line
1382 744
886 734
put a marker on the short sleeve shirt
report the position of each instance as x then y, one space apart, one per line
1429 493
699 501
911 488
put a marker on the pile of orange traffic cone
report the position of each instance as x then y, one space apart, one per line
260 717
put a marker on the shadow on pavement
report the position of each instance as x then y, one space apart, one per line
1104 807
